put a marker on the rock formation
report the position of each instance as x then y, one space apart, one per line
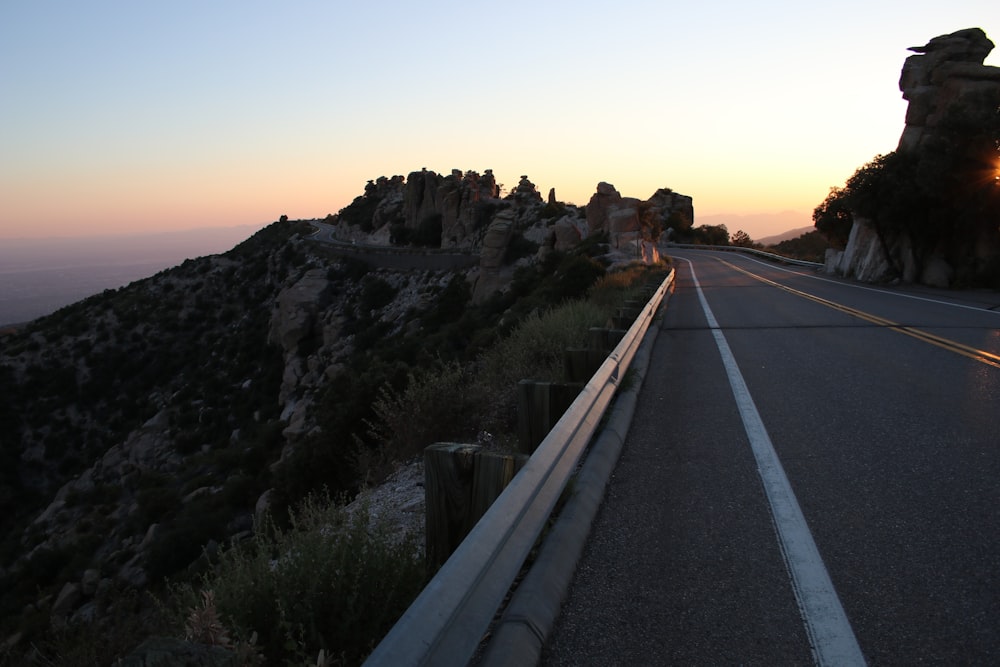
456 199
947 73
600 205
629 221
492 255
421 198
948 88
459 198
390 195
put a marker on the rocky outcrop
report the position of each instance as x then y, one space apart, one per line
295 321
295 310
526 194
948 88
461 198
421 199
863 258
390 195
600 206
669 208
629 222
492 255
457 200
947 73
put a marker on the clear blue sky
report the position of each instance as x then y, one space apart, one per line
142 116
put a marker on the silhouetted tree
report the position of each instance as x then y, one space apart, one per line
943 196
743 240
833 218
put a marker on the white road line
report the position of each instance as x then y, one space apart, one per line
902 295
830 633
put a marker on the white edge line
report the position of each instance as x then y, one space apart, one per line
830 633
902 295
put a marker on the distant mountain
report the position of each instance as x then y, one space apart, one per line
785 236
757 224
40 275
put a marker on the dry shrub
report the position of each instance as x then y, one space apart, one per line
334 581
443 403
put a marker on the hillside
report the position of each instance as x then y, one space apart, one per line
784 236
144 425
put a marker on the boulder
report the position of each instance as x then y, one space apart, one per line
263 506
526 193
863 257
565 235
67 600
295 310
91 578
491 256
495 242
600 205
937 273
132 573
623 224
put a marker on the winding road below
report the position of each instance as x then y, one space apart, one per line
812 476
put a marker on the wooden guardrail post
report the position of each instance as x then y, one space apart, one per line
605 339
460 483
580 364
539 407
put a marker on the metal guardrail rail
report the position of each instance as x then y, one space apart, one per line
749 251
447 621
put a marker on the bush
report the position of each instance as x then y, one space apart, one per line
375 293
533 350
440 405
519 247
575 275
335 580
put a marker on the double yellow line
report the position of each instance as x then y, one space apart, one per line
981 356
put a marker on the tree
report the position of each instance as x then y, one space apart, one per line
710 235
833 218
743 240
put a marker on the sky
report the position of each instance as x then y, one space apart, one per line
135 117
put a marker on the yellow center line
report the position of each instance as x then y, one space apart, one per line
981 356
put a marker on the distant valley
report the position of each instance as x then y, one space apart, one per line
39 276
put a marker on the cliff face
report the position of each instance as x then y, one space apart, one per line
952 120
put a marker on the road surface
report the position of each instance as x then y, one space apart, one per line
812 477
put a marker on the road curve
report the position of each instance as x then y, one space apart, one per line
392 257
881 408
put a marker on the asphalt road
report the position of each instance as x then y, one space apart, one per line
881 406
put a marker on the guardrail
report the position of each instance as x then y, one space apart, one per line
447 621
749 251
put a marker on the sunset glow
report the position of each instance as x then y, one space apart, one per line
135 117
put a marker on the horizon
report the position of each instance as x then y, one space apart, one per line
147 119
